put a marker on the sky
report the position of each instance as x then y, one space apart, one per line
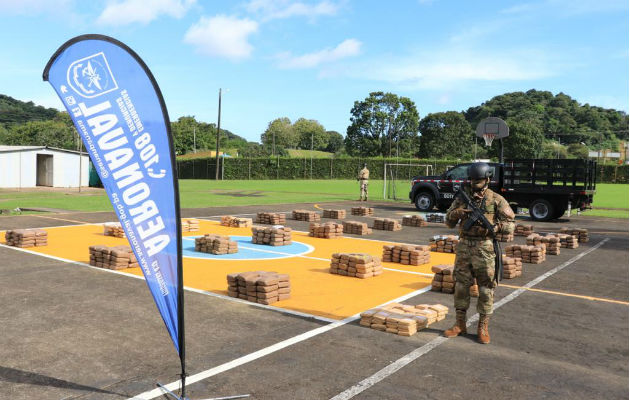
314 59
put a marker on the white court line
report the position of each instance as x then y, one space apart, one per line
265 351
415 354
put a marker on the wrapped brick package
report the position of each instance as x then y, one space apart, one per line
364 211
274 236
436 218
523 230
271 218
528 254
334 214
401 319
512 267
216 244
356 228
259 286
505 237
234 222
568 241
327 230
113 229
444 244
580 233
386 224
305 215
117 257
407 254
26 237
414 220
355 265
190 225
444 280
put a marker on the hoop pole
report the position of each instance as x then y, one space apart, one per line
501 159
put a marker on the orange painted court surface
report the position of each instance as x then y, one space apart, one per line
313 289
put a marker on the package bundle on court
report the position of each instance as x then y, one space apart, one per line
512 267
407 254
355 265
401 319
117 257
259 286
439 218
527 254
216 244
113 229
356 228
273 236
523 230
327 230
551 242
269 218
414 220
26 237
444 280
190 225
306 215
386 224
568 241
444 244
505 237
580 233
335 214
362 211
234 222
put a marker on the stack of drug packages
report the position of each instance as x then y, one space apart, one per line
259 286
271 218
512 267
117 257
444 244
356 228
386 224
274 236
551 242
356 265
403 320
407 254
306 215
505 237
568 241
26 237
113 229
364 211
527 254
444 280
580 233
190 225
334 214
523 230
439 218
216 244
234 222
327 230
414 220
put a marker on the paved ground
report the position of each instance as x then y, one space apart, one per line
74 332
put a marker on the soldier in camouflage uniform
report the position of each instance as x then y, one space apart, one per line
363 177
475 256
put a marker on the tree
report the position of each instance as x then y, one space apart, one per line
380 122
578 150
281 133
445 135
335 141
52 133
309 129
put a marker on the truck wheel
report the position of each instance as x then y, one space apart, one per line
559 211
424 201
541 210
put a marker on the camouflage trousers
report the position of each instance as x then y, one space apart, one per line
474 259
364 190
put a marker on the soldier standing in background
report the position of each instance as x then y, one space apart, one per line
475 256
364 175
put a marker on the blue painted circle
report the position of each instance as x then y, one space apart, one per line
247 250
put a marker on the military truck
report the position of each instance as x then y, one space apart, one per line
547 187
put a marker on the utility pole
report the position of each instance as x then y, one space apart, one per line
194 139
218 133
311 155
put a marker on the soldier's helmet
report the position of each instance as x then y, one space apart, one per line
479 170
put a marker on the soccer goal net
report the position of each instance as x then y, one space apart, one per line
397 179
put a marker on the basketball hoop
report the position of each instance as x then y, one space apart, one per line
488 138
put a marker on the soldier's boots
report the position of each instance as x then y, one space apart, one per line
460 325
483 335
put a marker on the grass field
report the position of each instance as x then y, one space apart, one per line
209 193
307 153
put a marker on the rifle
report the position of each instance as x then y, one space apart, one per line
476 216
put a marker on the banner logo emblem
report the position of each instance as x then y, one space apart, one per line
91 76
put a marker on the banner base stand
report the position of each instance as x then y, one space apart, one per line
176 397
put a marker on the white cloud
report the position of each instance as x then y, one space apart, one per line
222 36
33 7
278 9
118 13
347 48
566 8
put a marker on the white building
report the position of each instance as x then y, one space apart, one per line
31 166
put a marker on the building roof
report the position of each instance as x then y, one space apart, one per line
13 149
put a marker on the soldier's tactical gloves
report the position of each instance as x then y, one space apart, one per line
459 213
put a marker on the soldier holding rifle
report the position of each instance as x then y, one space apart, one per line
482 214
